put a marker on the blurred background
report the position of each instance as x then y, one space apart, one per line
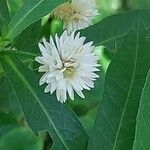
14 132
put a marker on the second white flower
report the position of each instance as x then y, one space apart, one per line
78 14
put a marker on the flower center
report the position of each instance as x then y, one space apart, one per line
68 68
67 12
69 72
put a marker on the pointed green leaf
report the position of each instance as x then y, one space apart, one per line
142 136
42 111
114 128
30 12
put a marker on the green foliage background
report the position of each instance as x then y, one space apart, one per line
115 114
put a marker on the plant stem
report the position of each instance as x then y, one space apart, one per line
21 53
125 5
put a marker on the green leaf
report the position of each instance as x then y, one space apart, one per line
8 100
142 135
20 139
42 111
14 106
28 39
110 31
4 13
114 127
30 12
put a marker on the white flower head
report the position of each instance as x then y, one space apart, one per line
68 65
78 14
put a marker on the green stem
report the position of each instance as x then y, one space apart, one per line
125 5
26 54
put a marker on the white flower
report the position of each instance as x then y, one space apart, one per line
68 65
78 14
